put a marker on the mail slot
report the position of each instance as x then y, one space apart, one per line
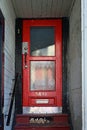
41 102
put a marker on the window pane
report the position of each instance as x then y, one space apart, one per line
42 75
42 41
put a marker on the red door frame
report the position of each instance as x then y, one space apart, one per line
54 96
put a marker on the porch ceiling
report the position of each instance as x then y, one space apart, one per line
42 8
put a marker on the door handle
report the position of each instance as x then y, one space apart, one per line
25 60
25 53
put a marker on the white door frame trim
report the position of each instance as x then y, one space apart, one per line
84 62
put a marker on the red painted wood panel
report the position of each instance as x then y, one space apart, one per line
55 96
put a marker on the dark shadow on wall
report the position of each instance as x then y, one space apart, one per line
18 66
65 35
1 67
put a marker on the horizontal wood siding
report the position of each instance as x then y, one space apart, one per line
9 53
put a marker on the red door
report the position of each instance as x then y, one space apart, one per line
42 63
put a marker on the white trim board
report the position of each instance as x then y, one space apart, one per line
84 62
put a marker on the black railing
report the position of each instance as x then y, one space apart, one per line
12 100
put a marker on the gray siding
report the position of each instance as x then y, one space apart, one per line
9 53
74 66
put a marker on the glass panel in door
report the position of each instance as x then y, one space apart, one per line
42 41
42 75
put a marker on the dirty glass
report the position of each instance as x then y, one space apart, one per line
42 75
42 41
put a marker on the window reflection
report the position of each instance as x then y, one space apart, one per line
48 51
